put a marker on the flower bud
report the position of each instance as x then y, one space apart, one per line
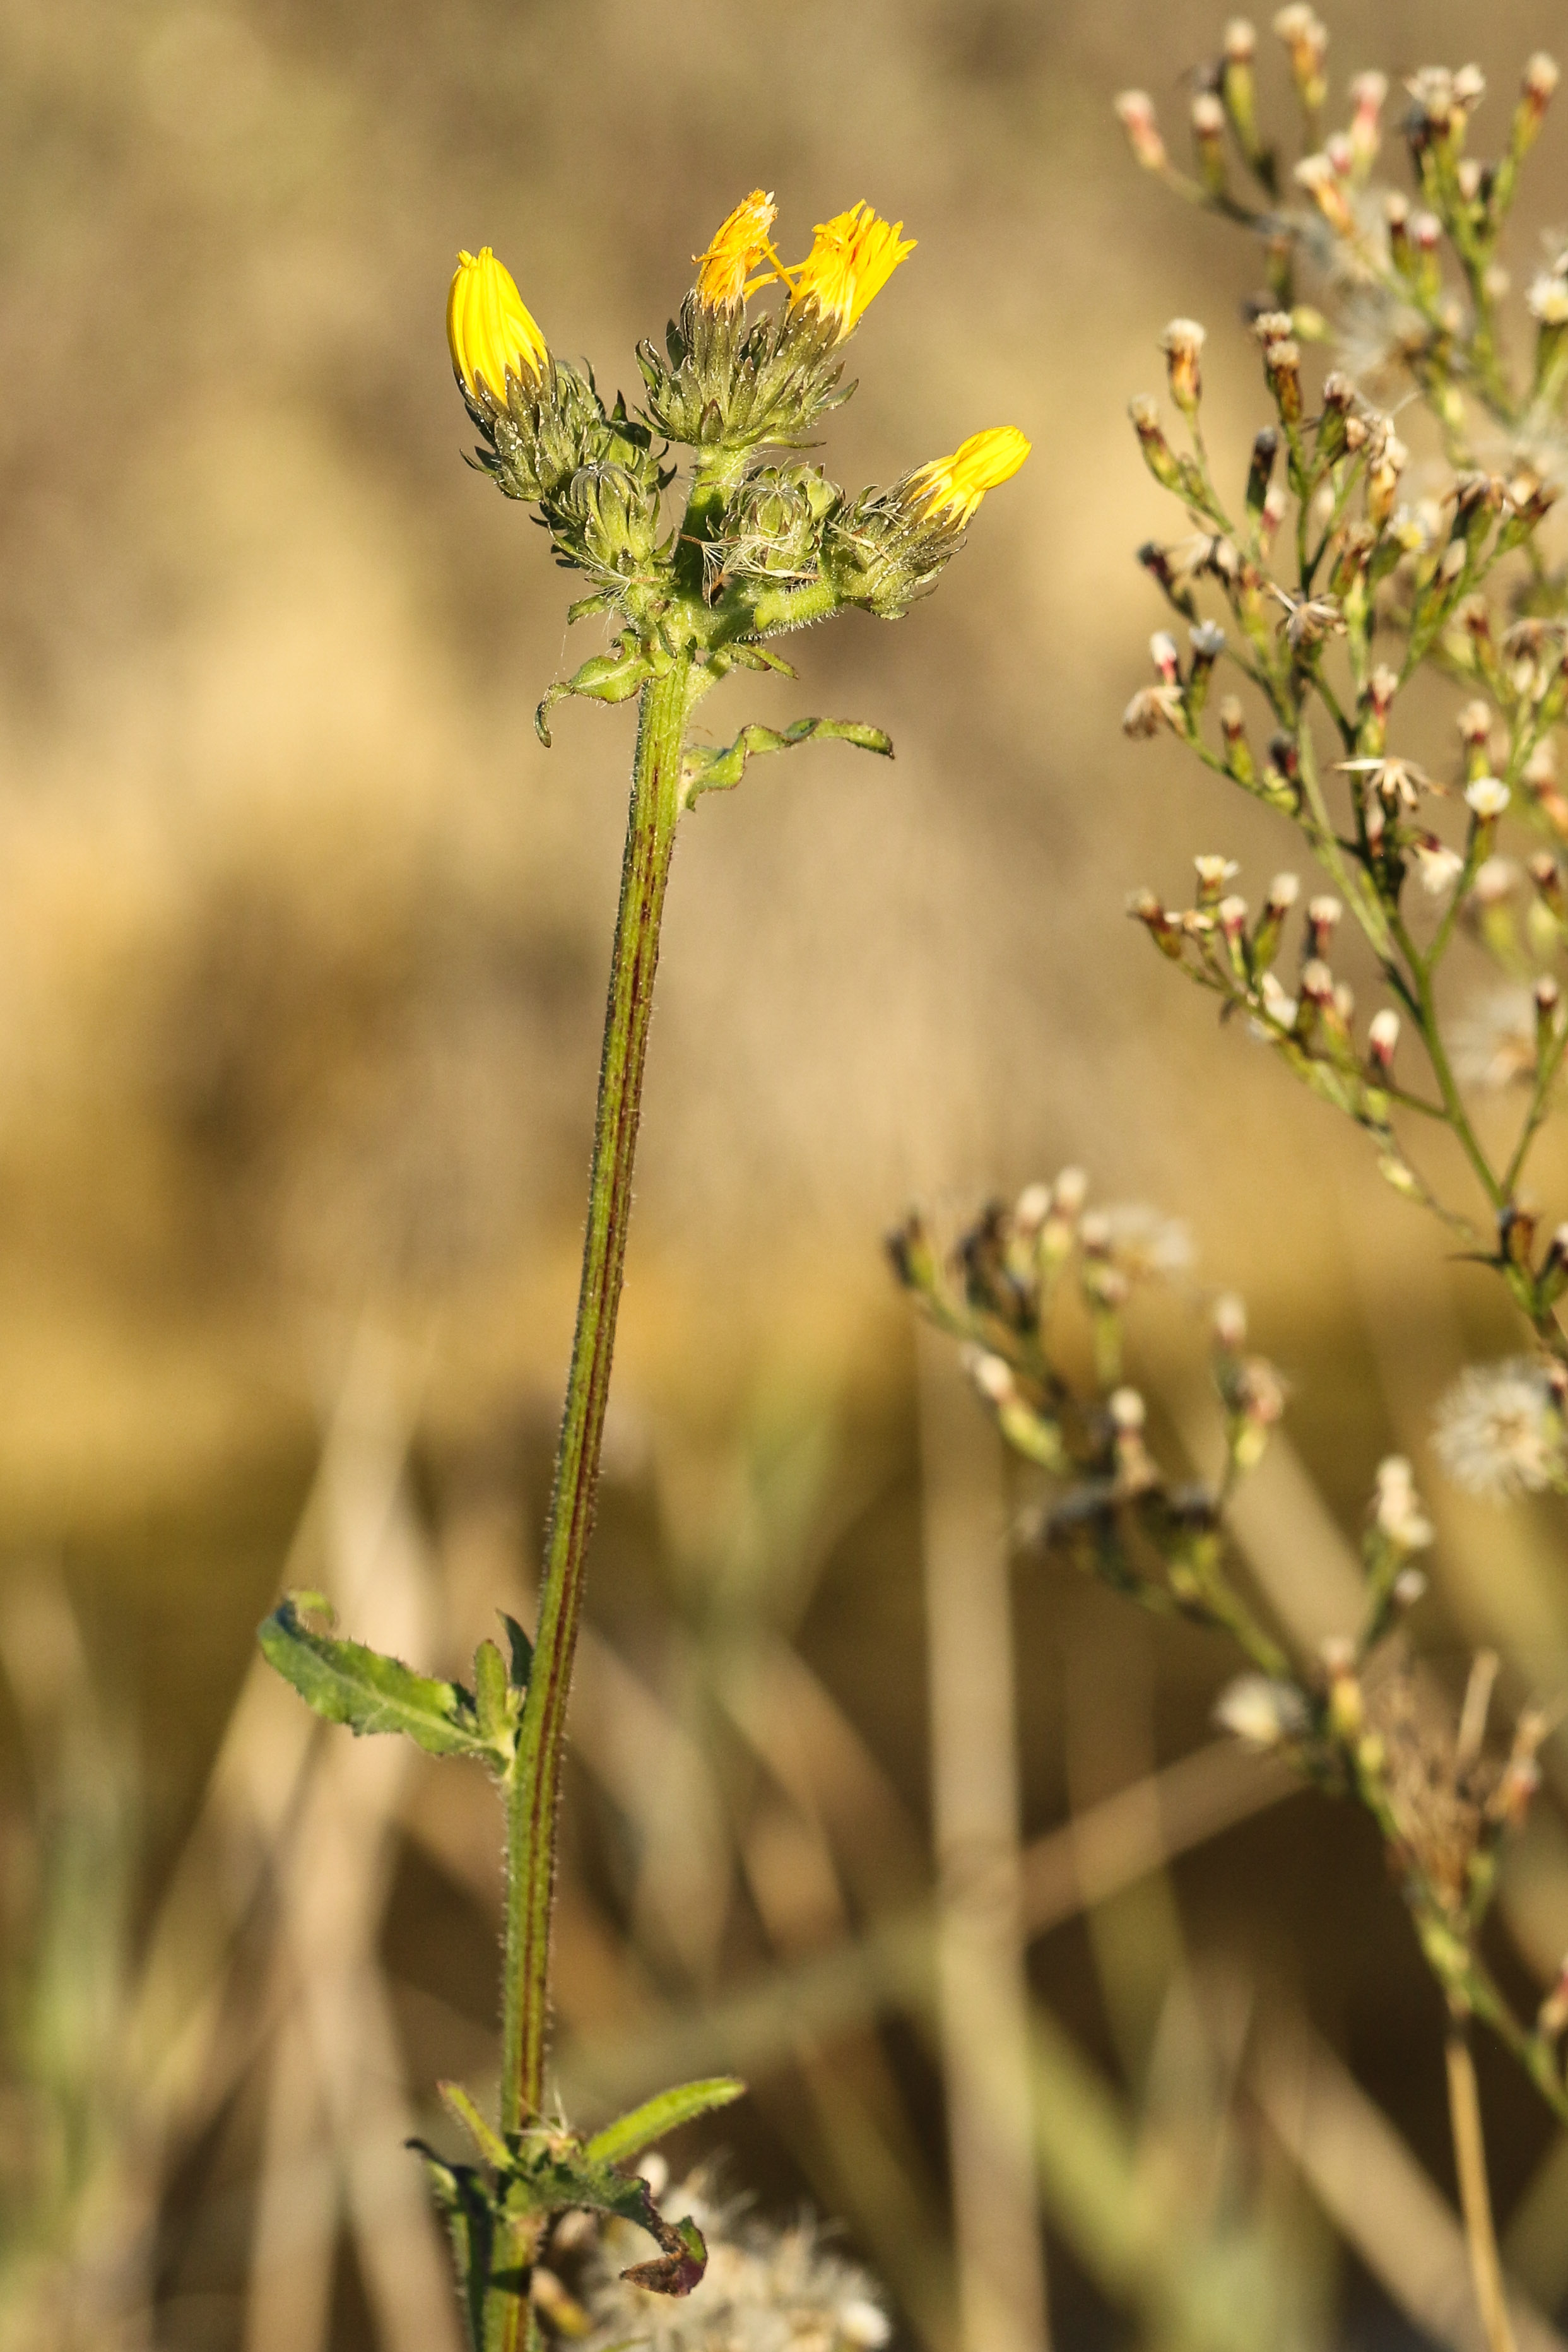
1209 142
1283 369
1541 79
1367 93
1306 44
1323 914
1136 111
1317 175
1547 877
1237 751
1229 1323
489 332
1182 343
949 489
1382 1037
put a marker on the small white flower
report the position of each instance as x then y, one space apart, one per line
1279 1008
1261 1712
1142 1242
1499 1429
1487 796
1548 301
1398 1506
1438 866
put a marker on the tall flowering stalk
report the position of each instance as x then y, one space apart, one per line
756 548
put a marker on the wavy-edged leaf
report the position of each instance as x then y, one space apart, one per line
706 771
346 1683
666 2112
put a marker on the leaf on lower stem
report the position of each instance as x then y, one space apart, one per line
346 1683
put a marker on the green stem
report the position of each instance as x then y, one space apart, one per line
533 1783
1436 1055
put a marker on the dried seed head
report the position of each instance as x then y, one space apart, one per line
1283 892
1240 42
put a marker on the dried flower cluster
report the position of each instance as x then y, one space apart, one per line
1361 1717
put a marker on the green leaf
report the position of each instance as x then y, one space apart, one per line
522 1651
346 1683
492 1691
605 677
705 771
665 2113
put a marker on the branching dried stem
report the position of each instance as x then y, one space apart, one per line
1363 594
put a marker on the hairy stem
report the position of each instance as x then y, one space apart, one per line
1475 2197
533 1785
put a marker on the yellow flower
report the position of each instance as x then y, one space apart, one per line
954 486
488 328
723 271
854 256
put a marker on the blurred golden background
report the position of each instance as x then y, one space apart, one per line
302 939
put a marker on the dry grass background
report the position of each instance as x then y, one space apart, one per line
302 934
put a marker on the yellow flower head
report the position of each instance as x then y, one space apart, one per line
488 328
952 487
723 271
854 256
